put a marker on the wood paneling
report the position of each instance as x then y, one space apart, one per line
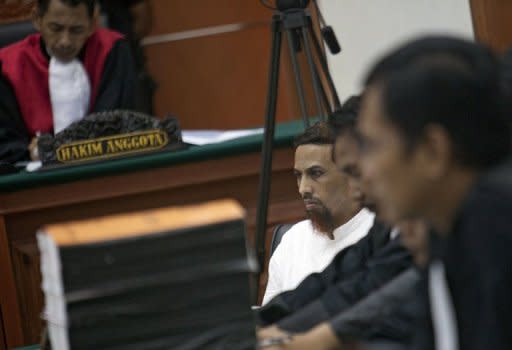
179 15
8 296
218 81
3 342
492 23
24 212
27 272
17 10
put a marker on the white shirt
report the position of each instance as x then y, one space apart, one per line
70 91
303 251
441 308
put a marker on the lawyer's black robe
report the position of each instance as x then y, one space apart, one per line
477 257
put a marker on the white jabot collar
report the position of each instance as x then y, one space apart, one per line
70 92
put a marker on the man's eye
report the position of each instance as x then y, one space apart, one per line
78 30
55 28
366 146
347 171
353 172
316 173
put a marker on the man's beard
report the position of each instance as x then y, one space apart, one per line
322 220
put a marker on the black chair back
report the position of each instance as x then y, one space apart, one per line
13 32
278 234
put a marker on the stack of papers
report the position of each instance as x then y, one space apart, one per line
163 279
204 137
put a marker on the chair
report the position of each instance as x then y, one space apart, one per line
16 31
277 235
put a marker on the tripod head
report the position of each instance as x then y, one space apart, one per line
283 5
297 5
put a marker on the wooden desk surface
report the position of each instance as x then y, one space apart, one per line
28 201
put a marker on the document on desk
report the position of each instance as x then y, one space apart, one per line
204 137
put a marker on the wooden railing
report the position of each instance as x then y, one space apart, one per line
15 10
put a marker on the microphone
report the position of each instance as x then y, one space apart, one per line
331 40
328 33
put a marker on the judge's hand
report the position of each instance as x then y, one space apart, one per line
32 149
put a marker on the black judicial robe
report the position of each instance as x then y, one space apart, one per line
108 62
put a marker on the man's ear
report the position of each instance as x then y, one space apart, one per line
36 18
437 151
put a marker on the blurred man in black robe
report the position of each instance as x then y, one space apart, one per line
436 138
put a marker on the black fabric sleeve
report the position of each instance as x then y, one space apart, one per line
385 265
347 262
118 82
14 139
308 317
478 264
340 296
313 286
388 313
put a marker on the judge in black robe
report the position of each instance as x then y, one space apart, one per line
113 87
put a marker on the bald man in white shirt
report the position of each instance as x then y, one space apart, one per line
336 217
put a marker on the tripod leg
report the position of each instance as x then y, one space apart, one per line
298 79
311 64
327 108
266 164
325 68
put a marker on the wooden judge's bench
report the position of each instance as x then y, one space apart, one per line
210 60
30 200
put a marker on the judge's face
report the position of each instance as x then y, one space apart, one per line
394 172
325 190
64 29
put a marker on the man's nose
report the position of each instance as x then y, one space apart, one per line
64 40
367 172
367 185
355 187
305 186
